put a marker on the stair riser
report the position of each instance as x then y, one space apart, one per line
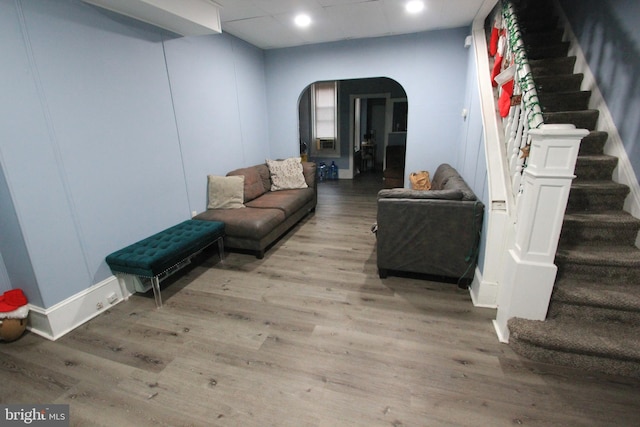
552 67
549 70
593 143
581 119
593 172
544 38
558 50
534 11
551 84
543 25
592 314
592 234
564 101
577 361
594 201
603 273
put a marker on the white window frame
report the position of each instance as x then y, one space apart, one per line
324 119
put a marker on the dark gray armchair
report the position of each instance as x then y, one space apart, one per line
432 232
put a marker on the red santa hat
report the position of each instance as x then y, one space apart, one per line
12 300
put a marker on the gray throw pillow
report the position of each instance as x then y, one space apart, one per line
226 192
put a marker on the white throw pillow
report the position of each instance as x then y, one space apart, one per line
226 192
286 174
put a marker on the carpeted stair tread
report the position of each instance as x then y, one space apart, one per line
532 11
594 159
538 24
604 256
595 167
603 219
545 37
595 137
619 295
555 50
564 101
558 83
552 66
594 142
585 119
601 228
584 338
606 186
596 195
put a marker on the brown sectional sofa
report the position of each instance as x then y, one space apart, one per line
268 214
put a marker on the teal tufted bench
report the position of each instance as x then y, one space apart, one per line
164 253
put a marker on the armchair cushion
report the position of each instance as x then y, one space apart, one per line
405 193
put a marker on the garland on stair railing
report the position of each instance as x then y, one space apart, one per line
530 100
518 101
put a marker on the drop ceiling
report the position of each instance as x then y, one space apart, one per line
268 24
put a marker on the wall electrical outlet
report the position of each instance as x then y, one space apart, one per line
112 298
194 213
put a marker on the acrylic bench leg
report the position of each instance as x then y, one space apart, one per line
155 284
221 249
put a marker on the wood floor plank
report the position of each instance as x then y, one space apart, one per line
307 336
25 381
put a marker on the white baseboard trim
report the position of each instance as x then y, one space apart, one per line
483 294
503 335
56 321
624 173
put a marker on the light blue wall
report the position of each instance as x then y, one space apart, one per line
105 140
431 67
609 35
218 88
471 161
13 252
5 281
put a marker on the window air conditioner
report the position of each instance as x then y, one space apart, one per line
325 144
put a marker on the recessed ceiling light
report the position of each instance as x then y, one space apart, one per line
415 6
302 20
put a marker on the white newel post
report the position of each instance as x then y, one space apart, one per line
529 272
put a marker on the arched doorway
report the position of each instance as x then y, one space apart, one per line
370 115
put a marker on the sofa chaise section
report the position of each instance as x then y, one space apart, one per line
267 214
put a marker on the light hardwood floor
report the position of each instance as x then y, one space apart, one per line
307 336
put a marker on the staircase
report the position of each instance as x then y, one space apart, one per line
593 322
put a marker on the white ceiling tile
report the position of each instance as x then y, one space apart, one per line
268 23
277 7
403 22
272 33
322 29
363 19
232 10
336 2
457 13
